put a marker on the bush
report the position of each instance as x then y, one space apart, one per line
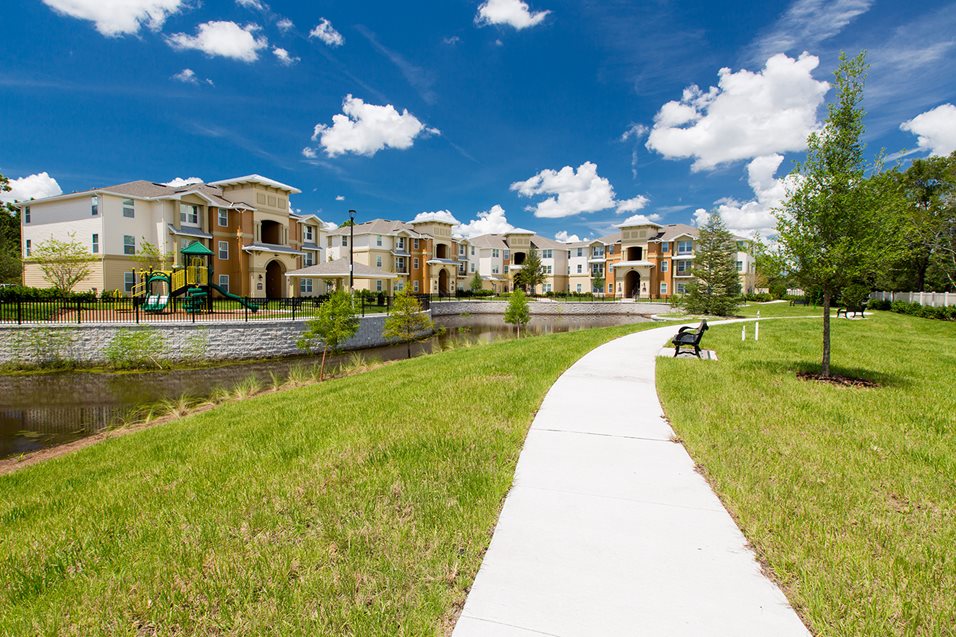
24 293
878 304
133 348
945 313
758 297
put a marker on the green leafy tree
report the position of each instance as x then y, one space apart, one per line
149 256
597 283
63 263
834 227
11 267
517 313
531 273
407 322
476 283
715 288
334 324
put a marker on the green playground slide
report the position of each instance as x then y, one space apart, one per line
155 303
247 304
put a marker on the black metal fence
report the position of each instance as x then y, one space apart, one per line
563 297
179 309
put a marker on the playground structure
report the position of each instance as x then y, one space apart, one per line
193 281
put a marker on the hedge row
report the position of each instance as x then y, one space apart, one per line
942 313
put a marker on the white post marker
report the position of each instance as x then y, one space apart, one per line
757 327
743 332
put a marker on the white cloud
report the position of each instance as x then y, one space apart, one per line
491 221
329 226
632 205
564 237
251 4
188 76
935 129
340 197
285 24
515 13
223 38
365 129
637 220
573 192
178 182
451 40
34 186
309 153
327 33
283 56
439 215
745 218
747 115
118 17
806 24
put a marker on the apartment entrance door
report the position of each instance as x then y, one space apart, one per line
443 282
632 284
275 281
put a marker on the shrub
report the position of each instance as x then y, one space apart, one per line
46 346
136 347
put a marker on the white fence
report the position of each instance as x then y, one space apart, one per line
934 299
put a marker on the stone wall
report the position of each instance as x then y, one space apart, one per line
27 345
448 308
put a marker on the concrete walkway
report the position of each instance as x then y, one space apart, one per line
608 530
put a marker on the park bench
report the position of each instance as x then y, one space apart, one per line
799 302
689 337
845 310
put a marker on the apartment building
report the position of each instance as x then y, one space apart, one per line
246 222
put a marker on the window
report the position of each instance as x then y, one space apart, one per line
189 214
666 246
546 254
345 241
415 284
461 250
610 249
416 244
305 286
378 240
507 254
129 244
308 259
378 285
401 244
610 287
580 254
378 262
224 282
685 247
472 250
223 250
494 269
415 263
495 253
580 267
547 269
129 208
681 288
129 280
94 205
547 287
663 287
27 249
683 266
578 289
740 266
597 252
26 214
96 244
399 286
506 269
309 233
664 265
472 268
223 217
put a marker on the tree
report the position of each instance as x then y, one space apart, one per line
151 257
10 265
531 273
334 324
476 283
407 321
833 227
517 312
63 263
597 283
715 288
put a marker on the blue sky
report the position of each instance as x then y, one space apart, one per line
552 115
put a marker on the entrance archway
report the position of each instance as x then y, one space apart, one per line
632 284
443 282
275 280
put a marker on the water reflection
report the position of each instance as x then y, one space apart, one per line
45 410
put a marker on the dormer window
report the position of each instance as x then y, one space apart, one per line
309 233
188 214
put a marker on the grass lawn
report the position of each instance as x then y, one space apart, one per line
848 494
360 506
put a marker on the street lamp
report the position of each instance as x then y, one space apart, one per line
351 251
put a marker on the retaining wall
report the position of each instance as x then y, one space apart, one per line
584 308
25 345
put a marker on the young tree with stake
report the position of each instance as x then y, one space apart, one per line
334 324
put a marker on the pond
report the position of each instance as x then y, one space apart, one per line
44 410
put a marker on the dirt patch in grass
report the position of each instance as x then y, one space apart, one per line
836 379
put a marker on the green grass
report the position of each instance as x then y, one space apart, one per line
848 494
360 506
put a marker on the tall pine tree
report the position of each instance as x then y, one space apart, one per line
716 286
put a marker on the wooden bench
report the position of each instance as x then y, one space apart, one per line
689 337
846 310
799 302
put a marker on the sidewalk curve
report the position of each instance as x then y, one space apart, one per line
609 530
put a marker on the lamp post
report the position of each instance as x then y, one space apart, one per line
351 252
